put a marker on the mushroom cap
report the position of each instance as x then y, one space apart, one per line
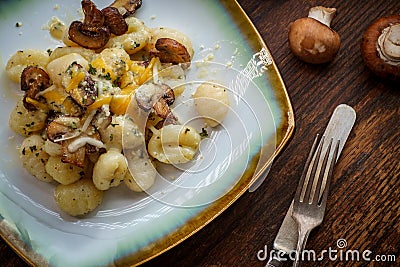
33 80
369 51
114 20
62 127
313 41
170 51
87 36
128 7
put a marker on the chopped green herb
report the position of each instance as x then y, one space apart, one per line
136 45
92 70
116 82
203 133
70 67
30 124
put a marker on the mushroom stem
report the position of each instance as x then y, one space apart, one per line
322 14
388 44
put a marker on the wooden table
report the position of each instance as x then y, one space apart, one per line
364 204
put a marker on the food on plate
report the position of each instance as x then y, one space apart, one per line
212 102
26 122
311 39
34 157
174 143
56 28
380 47
22 59
142 175
98 25
63 172
127 7
78 198
170 50
98 111
110 169
135 39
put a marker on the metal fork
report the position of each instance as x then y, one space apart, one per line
312 192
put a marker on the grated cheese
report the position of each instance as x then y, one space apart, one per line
81 141
75 81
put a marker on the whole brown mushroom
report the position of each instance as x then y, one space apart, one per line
311 39
380 47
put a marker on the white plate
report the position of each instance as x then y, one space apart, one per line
130 228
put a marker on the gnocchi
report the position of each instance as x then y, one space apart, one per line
142 174
26 123
24 58
113 61
57 68
174 144
78 198
66 50
122 132
109 170
34 158
165 32
135 39
64 173
53 149
212 103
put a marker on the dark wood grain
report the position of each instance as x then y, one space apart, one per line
364 204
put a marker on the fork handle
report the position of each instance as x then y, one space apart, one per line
301 244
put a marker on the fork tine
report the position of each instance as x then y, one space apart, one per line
324 198
305 177
321 175
311 175
299 189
